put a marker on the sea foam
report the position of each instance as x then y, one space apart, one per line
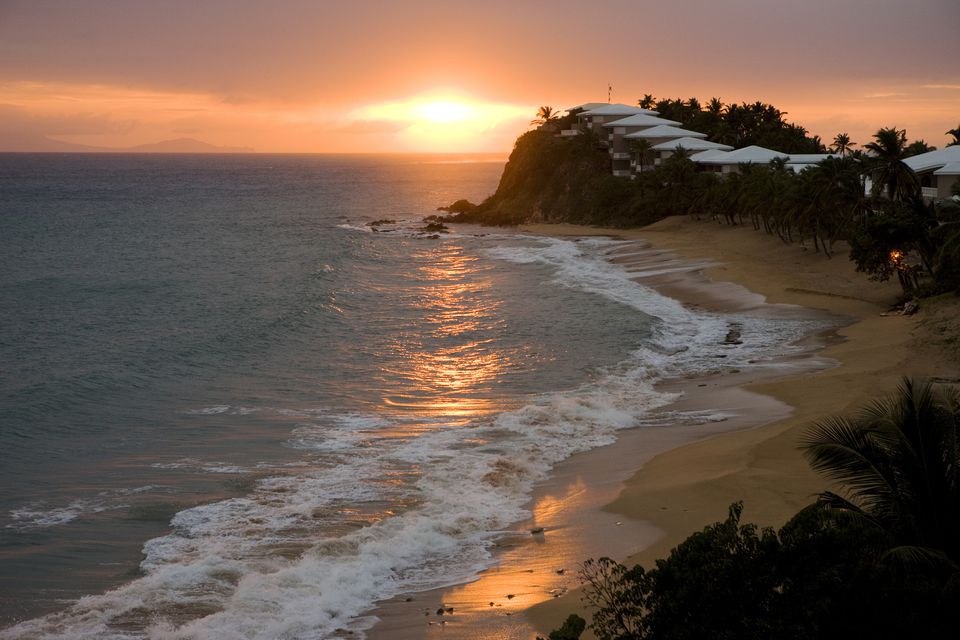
311 550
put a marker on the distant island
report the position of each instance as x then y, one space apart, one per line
43 144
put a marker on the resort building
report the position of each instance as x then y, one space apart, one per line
725 162
621 127
576 111
937 170
618 130
595 118
691 145
653 136
800 161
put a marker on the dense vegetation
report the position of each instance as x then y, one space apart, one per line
881 562
738 125
551 179
890 231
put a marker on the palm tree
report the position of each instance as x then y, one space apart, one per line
545 115
641 147
647 101
956 136
841 144
899 461
888 170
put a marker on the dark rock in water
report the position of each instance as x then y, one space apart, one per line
510 596
449 609
733 335
432 237
460 206
536 530
377 223
435 226
440 611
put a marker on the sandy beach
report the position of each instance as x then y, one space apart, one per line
685 489
636 500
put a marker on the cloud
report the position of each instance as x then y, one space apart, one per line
61 124
375 126
942 86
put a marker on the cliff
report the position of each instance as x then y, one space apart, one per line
552 179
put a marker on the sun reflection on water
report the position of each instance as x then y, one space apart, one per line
451 371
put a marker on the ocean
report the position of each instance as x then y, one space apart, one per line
232 408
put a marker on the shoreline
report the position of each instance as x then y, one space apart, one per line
685 489
593 495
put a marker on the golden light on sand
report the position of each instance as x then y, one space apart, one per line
443 122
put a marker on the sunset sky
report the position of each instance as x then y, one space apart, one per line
446 75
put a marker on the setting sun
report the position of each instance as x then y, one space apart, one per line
442 111
444 122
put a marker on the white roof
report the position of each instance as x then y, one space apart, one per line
586 106
691 144
705 156
618 110
640 120
752 154
808 158
949 169
933 159
665 131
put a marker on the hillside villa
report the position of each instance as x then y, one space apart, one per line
619 125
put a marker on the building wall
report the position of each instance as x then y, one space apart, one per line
944 185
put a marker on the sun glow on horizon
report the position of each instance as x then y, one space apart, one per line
444 122
443 111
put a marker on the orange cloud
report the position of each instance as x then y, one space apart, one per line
109 116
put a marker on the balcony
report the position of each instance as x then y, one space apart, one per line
567 133
622 173
929 192
621 155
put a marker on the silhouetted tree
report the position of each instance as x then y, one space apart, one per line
646 102
956 136
887 166
545 115
842 144
899 464
917 147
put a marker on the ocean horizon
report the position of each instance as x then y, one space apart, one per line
231 405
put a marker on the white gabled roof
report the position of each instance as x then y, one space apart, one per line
619 110
706 156
586 106
691 144
752 154
640 120
949 169
665 131
808 158
933 159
